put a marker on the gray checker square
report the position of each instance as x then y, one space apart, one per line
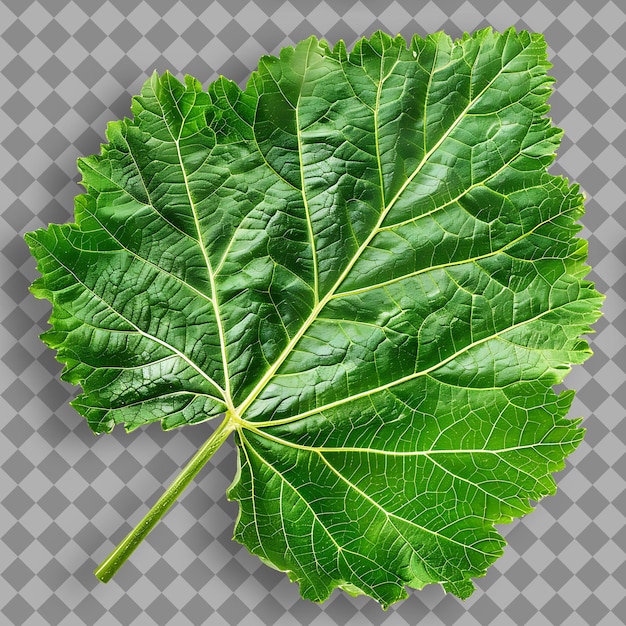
66 497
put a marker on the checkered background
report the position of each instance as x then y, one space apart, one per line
67 498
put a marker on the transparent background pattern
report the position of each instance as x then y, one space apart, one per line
67 497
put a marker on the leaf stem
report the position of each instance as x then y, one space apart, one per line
118 557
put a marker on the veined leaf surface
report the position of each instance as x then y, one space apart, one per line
362 259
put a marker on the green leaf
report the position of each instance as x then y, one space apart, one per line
362 259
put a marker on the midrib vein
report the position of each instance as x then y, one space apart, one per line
292 487
341 550
404 379
251 426
214 298
263 382
350 485
216 311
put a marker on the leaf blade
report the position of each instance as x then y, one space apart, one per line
362 258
